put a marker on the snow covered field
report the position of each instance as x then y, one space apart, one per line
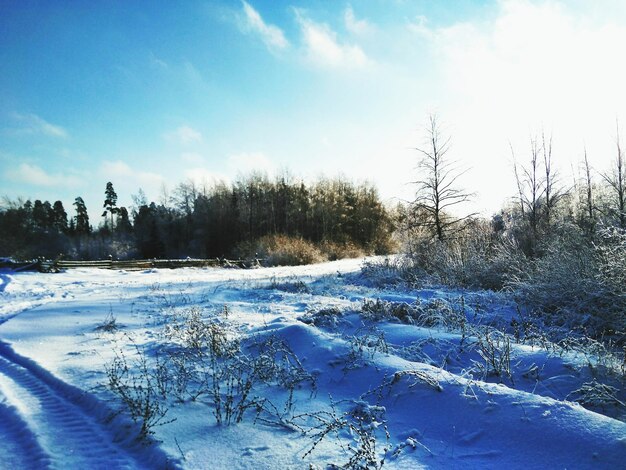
444 392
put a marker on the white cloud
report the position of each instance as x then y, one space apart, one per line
324 49
121 171
116 168
354 25
126 179
247 162
203 177
36 176
33 124
184 135
192 158
272 36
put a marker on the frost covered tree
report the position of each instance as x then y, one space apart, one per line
437 192
616 180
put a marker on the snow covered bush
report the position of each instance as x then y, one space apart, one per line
364 344
577 284
328 317
494 347
140 388
596 395
356 431
208 357
435 312
392 271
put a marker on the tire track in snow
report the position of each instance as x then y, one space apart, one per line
56 420
19 447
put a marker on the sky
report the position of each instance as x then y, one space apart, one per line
148 94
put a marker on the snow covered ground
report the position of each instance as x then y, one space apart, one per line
448 392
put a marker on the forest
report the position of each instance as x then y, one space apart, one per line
328 219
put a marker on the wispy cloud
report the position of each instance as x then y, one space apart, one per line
271 35
127 179
192 158
354 25
116 168
37 176
203 177
35 125
184 135
323 48
157 62
254 161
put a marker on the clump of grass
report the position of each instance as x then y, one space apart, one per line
328 317
597 395
435 312
109 324
294 286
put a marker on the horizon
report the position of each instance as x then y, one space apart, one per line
149 94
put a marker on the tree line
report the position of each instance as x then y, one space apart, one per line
216 220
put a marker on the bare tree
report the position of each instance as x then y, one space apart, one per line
589 202
437 192
531 189
539 191
616 180
553 193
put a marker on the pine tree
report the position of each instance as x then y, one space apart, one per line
123 224
110 202
59 217
82 217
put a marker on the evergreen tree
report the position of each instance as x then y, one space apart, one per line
110 202
59 217
82 217
41 215
123 224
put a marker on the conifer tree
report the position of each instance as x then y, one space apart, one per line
59 217
82 217
110 202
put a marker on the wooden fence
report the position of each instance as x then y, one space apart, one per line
131 265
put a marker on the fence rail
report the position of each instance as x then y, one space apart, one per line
131 265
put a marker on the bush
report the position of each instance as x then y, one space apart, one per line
576 282
334 251
281 250
392 271
139 387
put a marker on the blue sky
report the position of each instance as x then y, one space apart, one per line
148 94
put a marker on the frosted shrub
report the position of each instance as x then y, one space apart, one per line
357 432
597 395
435 312
392 271
140 389
577 283
328 317
494 347
365 343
